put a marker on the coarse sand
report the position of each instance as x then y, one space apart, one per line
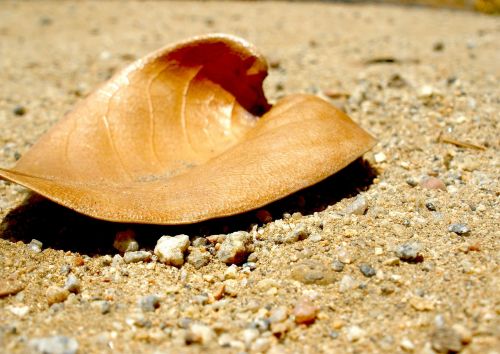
397 253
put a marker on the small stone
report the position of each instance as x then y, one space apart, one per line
231 272
357 207
438 46
149 303
421 304
199 241
218 292
396 81
65 269
409 252
261 345
464 333
231 287
137 256
279 314
354 333
430 206
10 287
367 270
106 260
430 182
199 257
72 284
411 182
170 250
446 340
315 237
20 311
407 345
19 110
305 312
235 248
459 229
337 265
250 335
393 261
54 345
103 306
312 272
125 241
379 157
56 294
35 246
202 334
347 283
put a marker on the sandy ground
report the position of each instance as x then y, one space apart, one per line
406 75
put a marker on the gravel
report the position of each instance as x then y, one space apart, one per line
304 312
235 248
149 303
408 252
55 294
355 333
367 270
358 206
199 257
170 250
446 340
54 345
35 246
136 256
459 229
72 284
337 265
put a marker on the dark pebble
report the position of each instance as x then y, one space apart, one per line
367 270
337 265
430 206
19 110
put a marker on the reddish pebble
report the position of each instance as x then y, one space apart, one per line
305 312
78 261
264 216
432 183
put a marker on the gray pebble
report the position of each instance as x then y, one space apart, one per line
199 257
337 265
137 256
65 269
72 284
409 252
35 246
446 340
235 248
149 303
104 306
367 270
412 182
54 345
262 324
199 242
250 265
459 229
357 207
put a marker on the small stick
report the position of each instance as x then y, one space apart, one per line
449 140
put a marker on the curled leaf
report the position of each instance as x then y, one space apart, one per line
186 134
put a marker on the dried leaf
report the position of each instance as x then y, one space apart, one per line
186 134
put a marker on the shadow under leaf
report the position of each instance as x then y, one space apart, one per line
61 228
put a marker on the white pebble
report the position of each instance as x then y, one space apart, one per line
355 333
379 157
35 246
170 250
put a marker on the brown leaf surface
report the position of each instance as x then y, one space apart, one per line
186 134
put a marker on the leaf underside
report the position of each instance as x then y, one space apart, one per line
185 134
